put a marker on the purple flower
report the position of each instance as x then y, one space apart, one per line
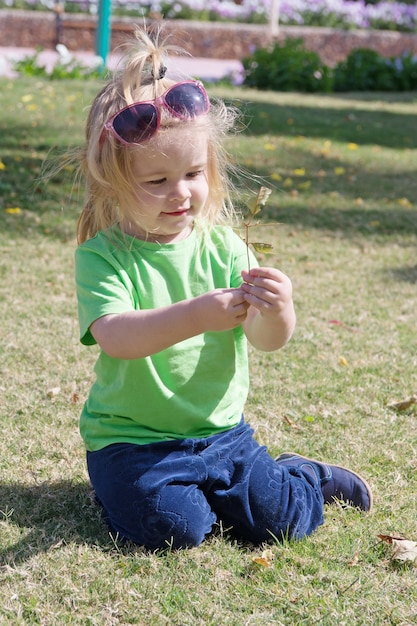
338 13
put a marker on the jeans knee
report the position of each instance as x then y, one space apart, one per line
154 525
169 530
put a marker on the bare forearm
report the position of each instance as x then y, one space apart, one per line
138 334
270 333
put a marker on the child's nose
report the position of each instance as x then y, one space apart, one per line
180 191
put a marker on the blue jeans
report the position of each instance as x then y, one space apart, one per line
172 493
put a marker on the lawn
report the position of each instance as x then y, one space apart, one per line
342 221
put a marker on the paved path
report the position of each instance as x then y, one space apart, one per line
205 69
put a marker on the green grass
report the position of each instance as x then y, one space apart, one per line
344 173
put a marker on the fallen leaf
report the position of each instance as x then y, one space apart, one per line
355 560
75 396
387 538
259 560
265 560
289 421
403 405
402 549
53 391
404 202
343 325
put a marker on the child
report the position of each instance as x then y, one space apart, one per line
164 290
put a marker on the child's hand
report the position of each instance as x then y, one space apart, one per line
221 309
270 319
268 290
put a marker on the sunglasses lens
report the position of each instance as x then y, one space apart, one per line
187 99
136 123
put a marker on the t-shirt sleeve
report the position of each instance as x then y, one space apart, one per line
102 289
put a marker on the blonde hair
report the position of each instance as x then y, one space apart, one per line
105 164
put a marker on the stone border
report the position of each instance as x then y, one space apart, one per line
217 40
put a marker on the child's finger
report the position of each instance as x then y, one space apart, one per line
263 272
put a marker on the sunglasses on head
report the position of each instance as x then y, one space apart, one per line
138 122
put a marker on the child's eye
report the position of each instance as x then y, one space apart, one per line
194 174
158 181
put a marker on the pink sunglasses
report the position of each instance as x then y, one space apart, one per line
138 122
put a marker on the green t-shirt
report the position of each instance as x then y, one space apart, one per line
195 388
